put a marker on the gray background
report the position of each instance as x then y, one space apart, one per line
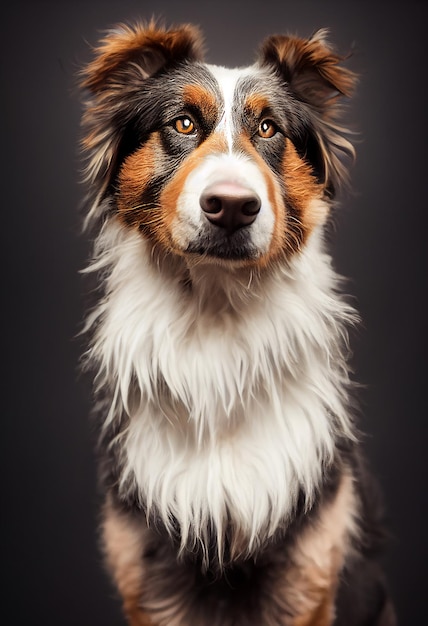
48 492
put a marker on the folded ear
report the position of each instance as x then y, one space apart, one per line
315 75
311 68
123 61
140 50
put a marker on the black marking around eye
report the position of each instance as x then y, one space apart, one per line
152 105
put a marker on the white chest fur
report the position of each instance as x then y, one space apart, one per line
241 383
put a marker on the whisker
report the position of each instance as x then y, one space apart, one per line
155 220
145 206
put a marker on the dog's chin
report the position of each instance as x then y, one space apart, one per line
220 247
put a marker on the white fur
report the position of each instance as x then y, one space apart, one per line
233 388
226 79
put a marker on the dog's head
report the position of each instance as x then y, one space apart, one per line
230 165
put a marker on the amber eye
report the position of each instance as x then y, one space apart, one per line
267 129
184 125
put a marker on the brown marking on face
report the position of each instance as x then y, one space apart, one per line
135 176
123 546
302 192
205 100
310 585
255 104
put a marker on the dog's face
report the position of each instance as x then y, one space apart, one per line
231 166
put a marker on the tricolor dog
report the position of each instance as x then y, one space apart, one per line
234 489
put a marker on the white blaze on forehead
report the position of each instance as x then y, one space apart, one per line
227 80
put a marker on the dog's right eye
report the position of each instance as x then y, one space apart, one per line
184 125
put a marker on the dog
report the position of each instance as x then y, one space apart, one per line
235 492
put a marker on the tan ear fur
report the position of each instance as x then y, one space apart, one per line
148 47
311 68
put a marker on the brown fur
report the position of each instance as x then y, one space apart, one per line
135 175
318 558
312 69
255 104
123 545
203 99
301 190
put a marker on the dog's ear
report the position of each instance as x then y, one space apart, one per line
311 68
315 76
139 51
123 61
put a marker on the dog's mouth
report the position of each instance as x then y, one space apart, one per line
216 243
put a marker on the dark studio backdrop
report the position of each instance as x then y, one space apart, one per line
51 564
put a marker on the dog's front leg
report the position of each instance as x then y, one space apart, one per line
311 582
123 546
322 615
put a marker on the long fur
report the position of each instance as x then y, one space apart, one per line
227 442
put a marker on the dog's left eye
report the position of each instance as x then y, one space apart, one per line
267 129
184 125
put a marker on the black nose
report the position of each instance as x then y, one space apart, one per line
230 205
